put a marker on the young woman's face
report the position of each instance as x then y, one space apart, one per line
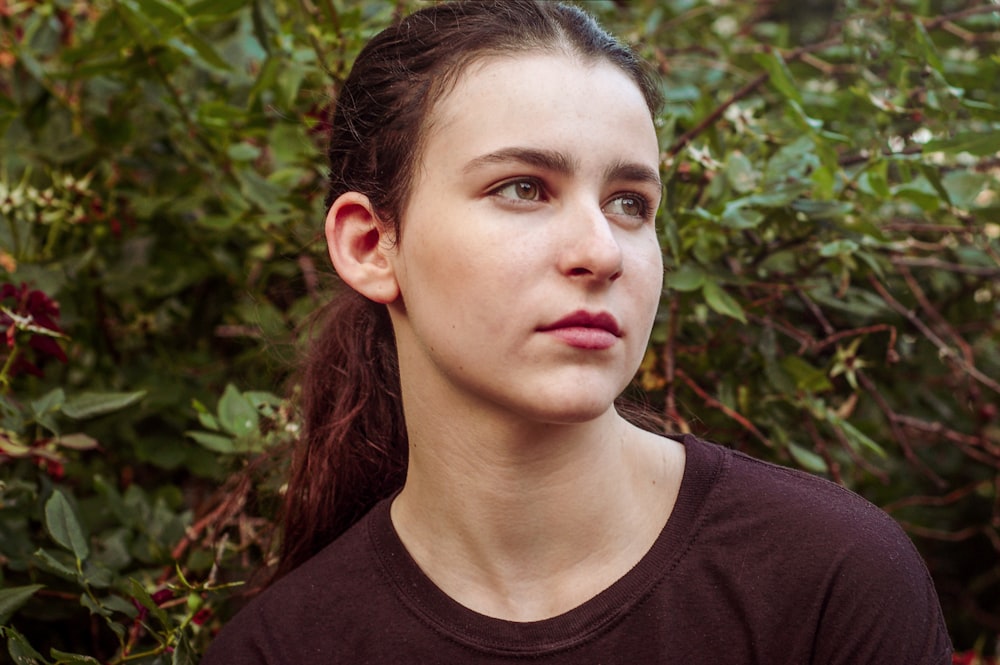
528 263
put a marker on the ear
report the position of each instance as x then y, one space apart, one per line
359 245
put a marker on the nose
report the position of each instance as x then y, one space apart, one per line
590 249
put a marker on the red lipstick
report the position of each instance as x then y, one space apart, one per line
586 330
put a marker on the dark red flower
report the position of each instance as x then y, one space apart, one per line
34 313
55 469
162 596
201 616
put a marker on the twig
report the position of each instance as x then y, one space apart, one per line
919 227
939 21
816 311
932 312
940 430
890 353
716 404
897 434
712 117
946 352
925 262
669 367
937 501
940 534
820 445
857 458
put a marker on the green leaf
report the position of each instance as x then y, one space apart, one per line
741 173
11 446
54 565
94 607
140 594
64 525
92 404
76 441
722 302
807 459
164 14
216 8
807 378
183 653
12 599
214 442
51 401
237 414
822 209
842 247
858 438
736 216
73 658
243 152
261 398
779 75
208 421
980 144
926 43
20 650
689 277
119 604
964 187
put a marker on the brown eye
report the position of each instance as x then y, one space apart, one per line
628 205
521 190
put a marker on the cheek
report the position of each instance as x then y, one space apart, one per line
647 264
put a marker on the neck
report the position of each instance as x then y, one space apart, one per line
527 521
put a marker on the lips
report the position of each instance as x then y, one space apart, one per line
585 330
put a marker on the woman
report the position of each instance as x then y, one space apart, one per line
467 491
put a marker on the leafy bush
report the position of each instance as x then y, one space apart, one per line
832 228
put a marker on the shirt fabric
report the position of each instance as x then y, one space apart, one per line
757 564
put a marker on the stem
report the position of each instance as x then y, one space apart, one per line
5 378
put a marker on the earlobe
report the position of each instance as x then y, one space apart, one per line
358 243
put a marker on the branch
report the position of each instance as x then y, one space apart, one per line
939 21
716 404
937 501
946 352
897 434
712 117
937 264
669 370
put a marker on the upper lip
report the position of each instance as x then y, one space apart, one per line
585 319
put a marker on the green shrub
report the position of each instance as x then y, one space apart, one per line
831 227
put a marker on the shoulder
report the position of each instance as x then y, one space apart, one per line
331 586
823 555
754 492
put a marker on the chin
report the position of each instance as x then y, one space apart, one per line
572 412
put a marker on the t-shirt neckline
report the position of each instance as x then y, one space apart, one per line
431 605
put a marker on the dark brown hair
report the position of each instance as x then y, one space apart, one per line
354 446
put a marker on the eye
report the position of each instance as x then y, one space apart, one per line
629 205
519 190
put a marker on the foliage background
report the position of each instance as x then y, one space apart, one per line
832 228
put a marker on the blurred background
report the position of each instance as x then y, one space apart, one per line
831 230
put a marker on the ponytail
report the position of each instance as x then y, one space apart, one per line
353 449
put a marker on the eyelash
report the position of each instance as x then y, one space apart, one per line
645 212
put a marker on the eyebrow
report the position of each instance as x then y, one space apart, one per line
633 172
552 160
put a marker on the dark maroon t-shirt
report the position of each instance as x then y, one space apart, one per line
757 564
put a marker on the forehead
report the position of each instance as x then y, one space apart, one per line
540 99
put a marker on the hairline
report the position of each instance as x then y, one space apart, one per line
453 71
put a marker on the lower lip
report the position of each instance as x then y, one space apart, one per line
585 338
